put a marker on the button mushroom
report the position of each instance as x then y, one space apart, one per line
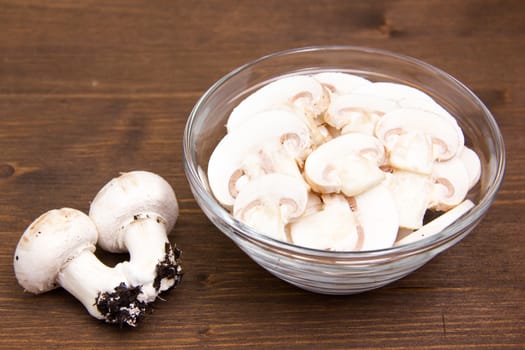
472 164
412 151
389 149
411 193
402 94
377 217
348 164
451 183
357 113
300 93
447 137
339 83
57 250
332 227
273 141
134 213
270 202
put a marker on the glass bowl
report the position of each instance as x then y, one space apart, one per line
331 272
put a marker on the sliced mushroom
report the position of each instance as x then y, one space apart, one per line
314 204
347 164
243 154
412 151
437 225
472 165
339 83
451 184
377 217
301 93
447 138
357 113
411 193
333 227
269 202
399 93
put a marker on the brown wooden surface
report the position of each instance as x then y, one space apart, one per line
92 88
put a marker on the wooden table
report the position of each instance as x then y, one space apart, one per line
89 89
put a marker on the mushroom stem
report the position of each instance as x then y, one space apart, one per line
104 291
151 254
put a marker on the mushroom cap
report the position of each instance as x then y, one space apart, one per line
269 202
451 184
332 227
339 83
349 164
238 150
297 92
130 195
472 164
48 244
357 113
412 151
411 193
400 93
446 136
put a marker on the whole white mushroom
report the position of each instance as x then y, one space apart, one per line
134 213
57 250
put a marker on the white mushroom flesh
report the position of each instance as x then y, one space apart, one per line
269 142
437 225
377 217
451 184
411 193
348 164
357 113
379 154
472 164
332 227
446 136
270 202
300 93
338 83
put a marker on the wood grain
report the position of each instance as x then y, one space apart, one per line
92 88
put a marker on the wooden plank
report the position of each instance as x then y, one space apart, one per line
90 88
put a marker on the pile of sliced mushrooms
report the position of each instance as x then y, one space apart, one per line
334 161
132 213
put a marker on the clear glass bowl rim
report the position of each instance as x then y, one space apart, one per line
204 198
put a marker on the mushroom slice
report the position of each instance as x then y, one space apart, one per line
447 138
451 184
412 151
472 165
269 202
243 153
347 164
301 93
339 83
331 228
377 216
399 93
314 204
411 193
357 113
437 225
